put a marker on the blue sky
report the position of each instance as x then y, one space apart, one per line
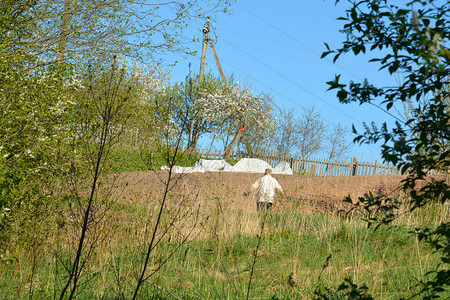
277 46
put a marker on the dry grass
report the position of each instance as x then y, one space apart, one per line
205 248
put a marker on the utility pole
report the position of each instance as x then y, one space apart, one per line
206 41
205 45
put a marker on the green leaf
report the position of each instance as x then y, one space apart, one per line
336 57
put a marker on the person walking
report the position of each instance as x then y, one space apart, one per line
266 186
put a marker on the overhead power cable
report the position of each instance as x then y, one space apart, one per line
279 93
294 39
284 96
319 54
292 81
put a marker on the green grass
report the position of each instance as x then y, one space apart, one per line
131 160
216 262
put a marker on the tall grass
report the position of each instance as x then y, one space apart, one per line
313 250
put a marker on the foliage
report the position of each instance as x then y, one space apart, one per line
160 156
211 107
154 159
347 290
216 263
410 41
35 110
83 31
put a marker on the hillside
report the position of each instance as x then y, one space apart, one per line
320 194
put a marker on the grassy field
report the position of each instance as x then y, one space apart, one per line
221 254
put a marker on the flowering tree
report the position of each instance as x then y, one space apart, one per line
73 30
251 116
210 107
152 106
198 111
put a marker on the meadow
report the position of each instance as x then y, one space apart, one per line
221 252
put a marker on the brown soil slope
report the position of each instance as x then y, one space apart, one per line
224 189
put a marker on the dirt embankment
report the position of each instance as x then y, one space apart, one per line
225 189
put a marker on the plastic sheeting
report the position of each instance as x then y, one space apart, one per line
245 165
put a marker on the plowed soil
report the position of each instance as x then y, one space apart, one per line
226 189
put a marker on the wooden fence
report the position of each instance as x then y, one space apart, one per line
312 167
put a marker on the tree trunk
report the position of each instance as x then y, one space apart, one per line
192 144
63 35
230 149
248 147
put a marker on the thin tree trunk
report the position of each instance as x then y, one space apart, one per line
63 35
230 149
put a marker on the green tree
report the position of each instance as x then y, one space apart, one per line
80 31
35 110
413 42
199 111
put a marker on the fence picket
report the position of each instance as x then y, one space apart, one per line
311 167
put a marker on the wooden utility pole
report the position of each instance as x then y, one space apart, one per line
217 62
206 41
205 45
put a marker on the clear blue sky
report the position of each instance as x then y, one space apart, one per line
277 45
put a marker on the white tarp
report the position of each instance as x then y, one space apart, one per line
207 165
203 165
283 167
245 165
251 165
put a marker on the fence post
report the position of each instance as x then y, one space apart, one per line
374 169
354 166
313 170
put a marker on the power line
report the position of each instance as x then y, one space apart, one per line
287 78
288 98
309 48
294 39
292 81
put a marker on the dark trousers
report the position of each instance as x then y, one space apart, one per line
263 205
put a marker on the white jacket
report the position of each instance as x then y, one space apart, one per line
266 186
